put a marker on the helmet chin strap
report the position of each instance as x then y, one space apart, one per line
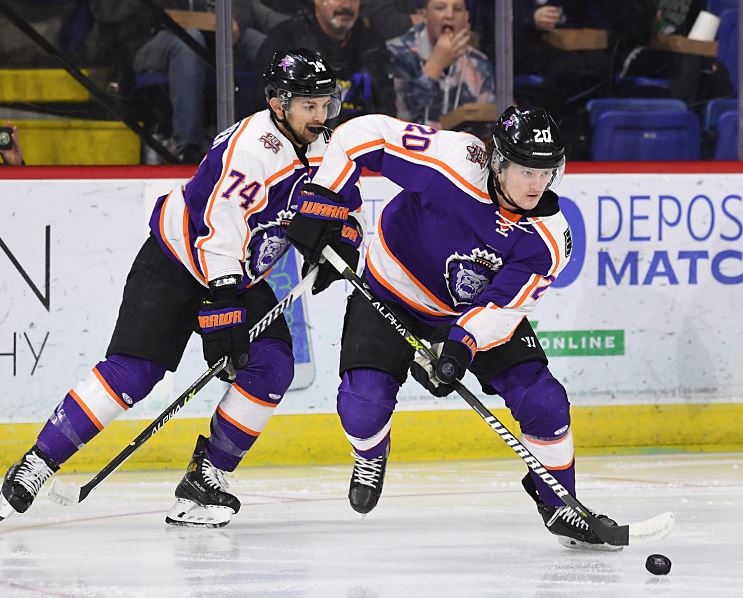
496 183
293 137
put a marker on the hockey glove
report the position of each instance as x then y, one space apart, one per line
347 248
224 327
318 221
454 357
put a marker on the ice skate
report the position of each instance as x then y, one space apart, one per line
24 480
367 481
571 529
202 497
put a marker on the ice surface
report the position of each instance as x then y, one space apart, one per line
450 529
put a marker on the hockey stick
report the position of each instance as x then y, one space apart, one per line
620 535
68 494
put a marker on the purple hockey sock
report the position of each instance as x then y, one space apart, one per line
113 386
249 403
540 404
366 400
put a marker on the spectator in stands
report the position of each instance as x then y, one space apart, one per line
435 68
357 55
391 18
567 75
14 155
254 20
141 46
692 78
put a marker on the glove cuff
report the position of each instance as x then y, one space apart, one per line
322 204
466 340
315 189
352 234
225 288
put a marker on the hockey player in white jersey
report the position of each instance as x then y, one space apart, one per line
463 253
213 240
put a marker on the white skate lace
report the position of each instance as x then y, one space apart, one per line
570 516
213 476
32 473
367 471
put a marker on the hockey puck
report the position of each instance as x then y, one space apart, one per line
658 564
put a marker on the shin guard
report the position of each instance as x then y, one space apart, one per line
112 387
250 402
366 400
540 404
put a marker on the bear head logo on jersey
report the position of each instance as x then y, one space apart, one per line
468 275
267 245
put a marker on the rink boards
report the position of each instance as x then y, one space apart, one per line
644 326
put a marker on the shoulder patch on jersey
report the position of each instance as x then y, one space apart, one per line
270 142
568 242
468 275
477 154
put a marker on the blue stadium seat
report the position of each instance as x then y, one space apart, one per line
714 109
642 86
717 7
528 80
727 51
727 136
638 136
600 105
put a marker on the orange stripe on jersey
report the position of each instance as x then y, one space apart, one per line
109 390
469 316
350 153
529 290
552 242
250 397
283 171
510 216
210 205
87 411
441 305
334 185
443 166
237 424
186 242
417 306
500 341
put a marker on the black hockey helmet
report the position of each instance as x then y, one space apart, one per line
529 138
301 72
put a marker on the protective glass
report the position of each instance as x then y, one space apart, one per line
333 108
498 161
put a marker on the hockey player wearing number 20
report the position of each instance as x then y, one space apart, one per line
463 254
213 240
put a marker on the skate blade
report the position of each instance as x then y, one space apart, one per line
186 513
651 530
573 544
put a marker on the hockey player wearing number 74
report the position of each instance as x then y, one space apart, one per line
213 241
462 254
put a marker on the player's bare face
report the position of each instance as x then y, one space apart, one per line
445 17
337 16
306 114
524 186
